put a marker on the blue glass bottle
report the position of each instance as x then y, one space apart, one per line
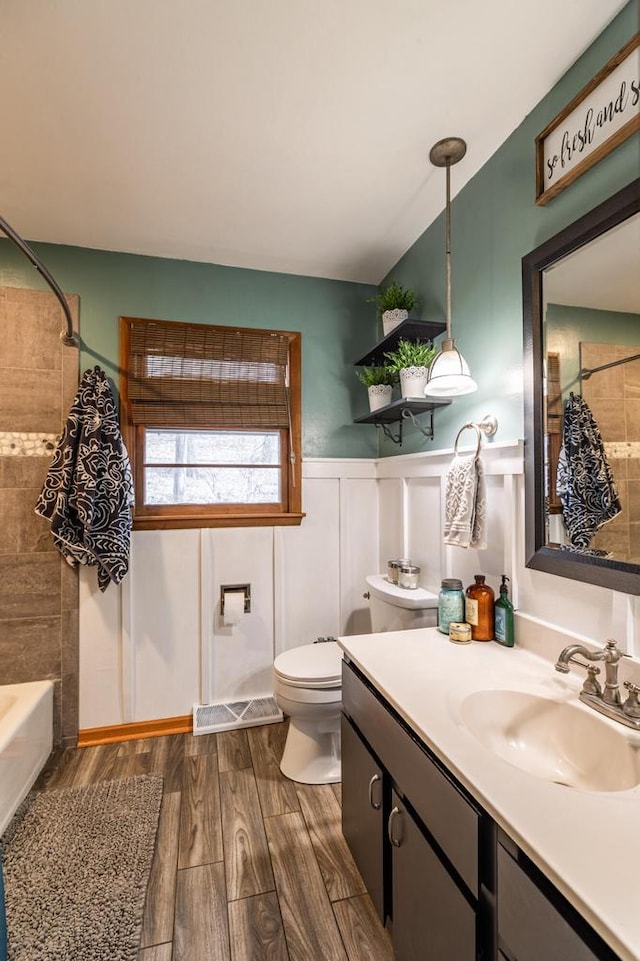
450 603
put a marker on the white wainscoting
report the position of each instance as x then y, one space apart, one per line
412 500
157 646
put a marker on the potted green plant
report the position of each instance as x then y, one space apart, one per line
393 304
411 360
379 382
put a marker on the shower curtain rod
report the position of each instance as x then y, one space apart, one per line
67 336
586 372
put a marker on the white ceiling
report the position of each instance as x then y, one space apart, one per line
288 135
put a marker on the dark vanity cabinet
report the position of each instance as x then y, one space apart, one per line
534 920
363 811
445 880
413 834
432 918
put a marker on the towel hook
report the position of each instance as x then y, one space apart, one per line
488 426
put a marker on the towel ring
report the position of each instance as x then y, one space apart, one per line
488 426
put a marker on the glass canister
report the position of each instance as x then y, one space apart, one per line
450 603
393 568
408 575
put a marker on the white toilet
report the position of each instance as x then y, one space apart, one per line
395 608
307 683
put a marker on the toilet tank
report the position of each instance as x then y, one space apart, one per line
396 608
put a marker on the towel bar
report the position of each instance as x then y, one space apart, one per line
488 426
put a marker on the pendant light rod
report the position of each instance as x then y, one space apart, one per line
448 249
449 374
445 153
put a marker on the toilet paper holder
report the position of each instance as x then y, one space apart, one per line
236 589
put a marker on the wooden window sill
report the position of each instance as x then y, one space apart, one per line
162 522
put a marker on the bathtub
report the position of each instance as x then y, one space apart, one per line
26 740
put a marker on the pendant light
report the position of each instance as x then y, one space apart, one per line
449 372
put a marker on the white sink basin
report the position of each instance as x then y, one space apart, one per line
553 740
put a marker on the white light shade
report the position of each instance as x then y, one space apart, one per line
449 375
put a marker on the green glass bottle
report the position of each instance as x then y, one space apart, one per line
504 626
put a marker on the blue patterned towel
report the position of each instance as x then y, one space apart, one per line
584 482
88 493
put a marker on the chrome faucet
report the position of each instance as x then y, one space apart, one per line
609 700
609 654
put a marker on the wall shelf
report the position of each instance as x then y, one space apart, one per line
407 408
398 412
409 329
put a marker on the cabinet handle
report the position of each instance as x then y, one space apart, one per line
395 841
366 595
376 805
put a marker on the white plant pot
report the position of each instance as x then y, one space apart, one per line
391 319
413 381
379 396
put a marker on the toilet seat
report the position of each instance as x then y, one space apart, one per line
316 666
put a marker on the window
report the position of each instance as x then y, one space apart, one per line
211 419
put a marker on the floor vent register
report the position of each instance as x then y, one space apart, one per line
208 718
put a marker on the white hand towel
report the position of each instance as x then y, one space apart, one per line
466 503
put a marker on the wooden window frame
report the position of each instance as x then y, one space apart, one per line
182 516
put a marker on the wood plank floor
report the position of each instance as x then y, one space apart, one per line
249 866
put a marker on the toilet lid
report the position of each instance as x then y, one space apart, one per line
314 663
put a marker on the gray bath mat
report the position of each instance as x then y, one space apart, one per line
76 865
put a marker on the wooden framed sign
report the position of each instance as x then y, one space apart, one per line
600 117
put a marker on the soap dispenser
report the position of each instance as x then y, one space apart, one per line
504 626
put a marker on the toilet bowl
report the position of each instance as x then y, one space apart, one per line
307 683
307 686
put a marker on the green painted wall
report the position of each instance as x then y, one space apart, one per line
494 223
337 324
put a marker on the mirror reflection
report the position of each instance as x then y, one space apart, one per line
591 405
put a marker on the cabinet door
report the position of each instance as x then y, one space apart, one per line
432 920
451 819
529 926
362 812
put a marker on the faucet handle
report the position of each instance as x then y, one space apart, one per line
613 651
631 706
591 685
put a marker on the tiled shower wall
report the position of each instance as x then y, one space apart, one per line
38 590
614 398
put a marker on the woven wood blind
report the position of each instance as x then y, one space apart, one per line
554 429
189 375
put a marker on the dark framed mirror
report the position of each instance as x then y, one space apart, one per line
581 306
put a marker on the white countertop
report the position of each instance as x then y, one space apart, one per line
587 843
